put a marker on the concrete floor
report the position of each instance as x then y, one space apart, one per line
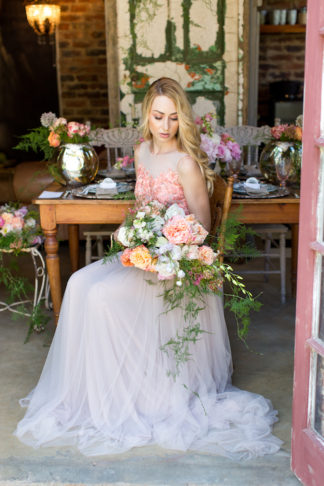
266 369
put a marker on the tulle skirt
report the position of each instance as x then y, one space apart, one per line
105 386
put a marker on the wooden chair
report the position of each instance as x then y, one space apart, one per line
220 203
250 138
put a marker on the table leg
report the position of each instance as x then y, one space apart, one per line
294 257
53 269
74 246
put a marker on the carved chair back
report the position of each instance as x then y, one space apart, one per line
118 142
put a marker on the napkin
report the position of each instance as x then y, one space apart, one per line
107 187
253 186
50 195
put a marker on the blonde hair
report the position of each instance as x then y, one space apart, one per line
188 137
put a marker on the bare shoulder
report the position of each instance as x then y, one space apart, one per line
187 165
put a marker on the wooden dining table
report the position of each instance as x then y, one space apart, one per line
74 211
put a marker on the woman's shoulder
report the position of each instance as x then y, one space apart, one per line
186 164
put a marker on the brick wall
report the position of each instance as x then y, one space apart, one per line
281 58
82 64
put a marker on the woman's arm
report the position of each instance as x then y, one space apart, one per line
195 190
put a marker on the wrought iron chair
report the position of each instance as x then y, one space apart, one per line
118 142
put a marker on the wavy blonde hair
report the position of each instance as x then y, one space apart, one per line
188 137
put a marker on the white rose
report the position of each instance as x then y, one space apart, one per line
125 236
174 210
161 241
30 222
140 215
157 224
176 252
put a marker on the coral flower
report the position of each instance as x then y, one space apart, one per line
298 133
54 139
124 258
140 257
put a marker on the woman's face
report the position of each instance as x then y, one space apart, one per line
163 119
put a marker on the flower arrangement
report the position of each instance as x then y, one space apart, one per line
123 162
52 133
171 244
287 133
19 227
217 147
19 231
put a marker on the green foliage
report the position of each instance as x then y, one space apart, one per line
37 141
18 289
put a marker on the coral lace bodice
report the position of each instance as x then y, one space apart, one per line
164 187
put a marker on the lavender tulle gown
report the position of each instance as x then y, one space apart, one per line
104 387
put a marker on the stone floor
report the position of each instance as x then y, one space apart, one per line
265 368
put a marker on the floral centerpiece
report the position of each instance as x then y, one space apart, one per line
68 144
123 162
172 245
217 147
20 232
19 227
285 142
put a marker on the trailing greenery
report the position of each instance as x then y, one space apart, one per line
19 289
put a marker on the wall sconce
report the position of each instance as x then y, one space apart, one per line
43 16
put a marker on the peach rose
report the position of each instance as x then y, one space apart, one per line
298 133
206 255
124 258
178 230
199 233
54 139
140 257
7 217
17 223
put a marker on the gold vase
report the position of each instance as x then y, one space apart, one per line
275 151
77 163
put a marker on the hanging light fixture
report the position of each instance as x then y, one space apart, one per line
43 16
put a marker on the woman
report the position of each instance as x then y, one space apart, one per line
104 386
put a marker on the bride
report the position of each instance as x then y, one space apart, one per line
104 387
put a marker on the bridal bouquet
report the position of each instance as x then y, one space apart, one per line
171 244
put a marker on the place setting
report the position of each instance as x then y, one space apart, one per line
255 188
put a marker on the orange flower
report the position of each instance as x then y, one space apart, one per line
54 139
210 71
140 257
298 133
124 258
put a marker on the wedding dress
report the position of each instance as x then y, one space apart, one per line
105 386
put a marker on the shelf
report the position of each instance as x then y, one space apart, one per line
283 29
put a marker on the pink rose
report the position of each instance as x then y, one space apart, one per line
206 255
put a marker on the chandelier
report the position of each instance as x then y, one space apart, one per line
43 16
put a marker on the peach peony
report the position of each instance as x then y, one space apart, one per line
178 230
54 139
140 257
17 223
206 255
124 258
